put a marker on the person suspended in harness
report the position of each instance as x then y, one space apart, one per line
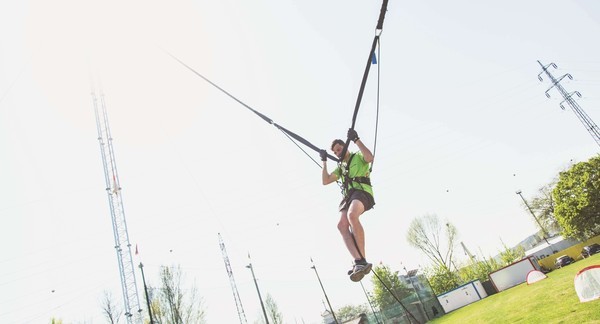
353 173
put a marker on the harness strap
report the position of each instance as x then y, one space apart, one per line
361 90
291 135
363 180
347 180
346 175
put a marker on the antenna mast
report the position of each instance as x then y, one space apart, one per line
236 295
568 97
113 189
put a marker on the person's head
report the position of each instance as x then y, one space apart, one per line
337 146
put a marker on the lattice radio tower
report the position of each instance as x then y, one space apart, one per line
133 312
236 295
568 97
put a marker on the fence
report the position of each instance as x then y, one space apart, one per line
422 304
573 251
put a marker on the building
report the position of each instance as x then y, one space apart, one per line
412 281
554 245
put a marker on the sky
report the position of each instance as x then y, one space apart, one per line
463 124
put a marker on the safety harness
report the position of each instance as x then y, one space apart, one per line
347 180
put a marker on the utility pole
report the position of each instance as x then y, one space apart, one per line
249 266
121 236
534 217
324 293
236 295
568 97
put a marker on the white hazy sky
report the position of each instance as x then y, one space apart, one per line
464 123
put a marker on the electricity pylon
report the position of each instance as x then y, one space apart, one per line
568 97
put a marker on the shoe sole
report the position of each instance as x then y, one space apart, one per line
357 276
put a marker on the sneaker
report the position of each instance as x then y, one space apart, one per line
359 271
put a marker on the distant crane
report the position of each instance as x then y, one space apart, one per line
236 295
113 189
568 97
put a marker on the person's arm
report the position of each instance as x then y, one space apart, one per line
325 175
328 177
367 155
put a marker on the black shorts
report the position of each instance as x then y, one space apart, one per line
364 197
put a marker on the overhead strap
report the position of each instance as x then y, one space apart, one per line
377 103
386 286
378 31
410 317
286 131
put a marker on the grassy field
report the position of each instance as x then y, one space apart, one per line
552 300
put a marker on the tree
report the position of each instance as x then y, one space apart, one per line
350 312
510 255
479 270
437 241
111 311
442 279
577 198
381 296
543 206
273 311
173 305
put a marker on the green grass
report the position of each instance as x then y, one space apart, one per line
552 300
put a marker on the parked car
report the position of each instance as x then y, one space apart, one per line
590 250
563 260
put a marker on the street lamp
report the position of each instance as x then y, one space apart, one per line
324 293
147 296
534 217
249 266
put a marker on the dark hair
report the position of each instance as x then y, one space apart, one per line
337 141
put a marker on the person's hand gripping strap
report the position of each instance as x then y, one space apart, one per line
353 135
323 155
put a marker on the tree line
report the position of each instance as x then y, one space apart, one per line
568 205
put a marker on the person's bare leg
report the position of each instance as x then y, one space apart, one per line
362 267
344 228
356 209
